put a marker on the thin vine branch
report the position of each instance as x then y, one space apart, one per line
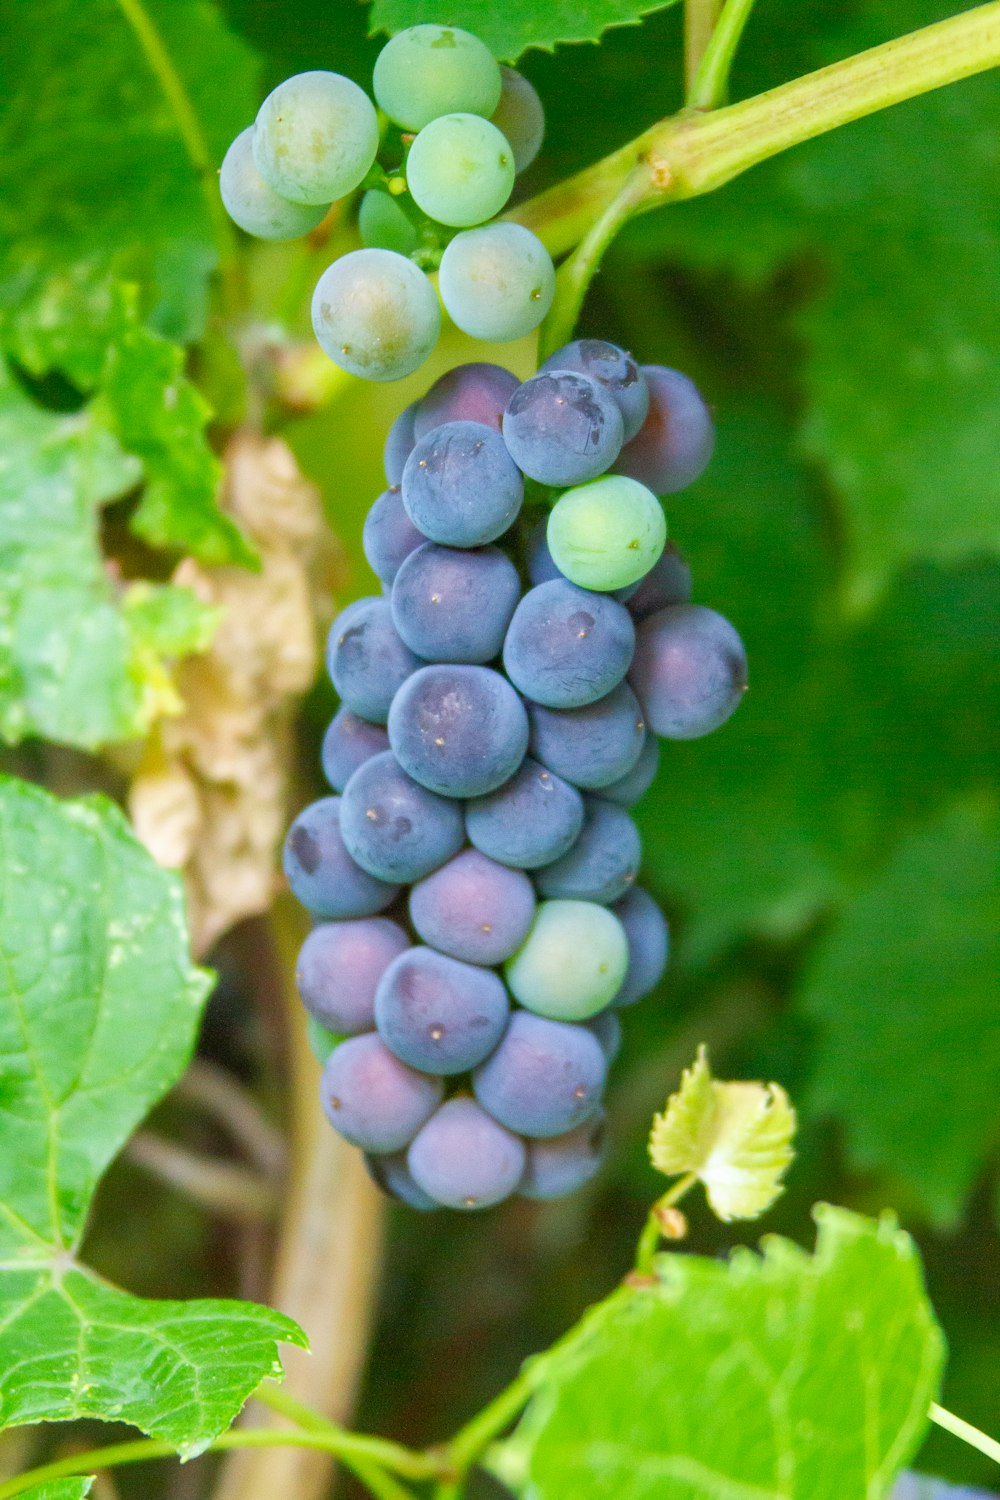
710 84
959 1428
700 19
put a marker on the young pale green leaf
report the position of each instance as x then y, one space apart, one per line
782 1376
86 663
60 1489
511 28
903 994
735 1137
99 1004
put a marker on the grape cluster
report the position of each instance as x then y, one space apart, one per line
456 129
490 742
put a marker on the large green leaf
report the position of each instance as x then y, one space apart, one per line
85 661
60 1489
902 992
779 1377
511 28
99 1004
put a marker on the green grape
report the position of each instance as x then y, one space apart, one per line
383 224
606 534
376 315
321 1042
572 963
497 282
460 170
315 138
254 206
520 117
428 71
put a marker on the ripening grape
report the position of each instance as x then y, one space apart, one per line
520 117
497 282
460 485
606 534
394 828
393 1176
322 874
572 962
603 863
566 646
451 605
464 1159
460 731
315 137
399 443
558 1167
460 170
476 392
632 787
427 71
347 744
253 205
389 536
383 224
529 821
689 671
562 428
607 1028
374 1100
366 658
612 368
676 440
339 967
473 908
648 944
593 746
375 314
544 1078
667 582
439 1014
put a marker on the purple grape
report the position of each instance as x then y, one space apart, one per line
322 874
399 444
689 671
339 967
347 744
473 908
562 428
633 787
519 117
395 828
541 568
566 646
389 536
607 1028
667 582
367 660
460 731
469 393
648 944
438 1014
372 1099
603 863
529 821
450 605
591 746
460 485
675 442
393 1176
463 1159
544 1078
613 369
555 1168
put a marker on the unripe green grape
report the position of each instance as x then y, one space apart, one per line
520 117
376 315
315 138
572 963
428 71
460 170
606 534
253 205
383 224
497 282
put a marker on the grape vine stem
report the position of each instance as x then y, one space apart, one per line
700 20
708 86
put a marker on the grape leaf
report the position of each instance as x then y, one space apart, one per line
902 992
735 1137
80 665
60 1489
510 29
779 1377
94 176
99 1004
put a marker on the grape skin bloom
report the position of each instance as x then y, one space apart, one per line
566 646
675 442
461 487
389 536
427 71
374 1100
612 368
520 116
438 1014
464 1159
562 428
315 137
572 963
375 314
450 605
529 821
590 747
395 828
366 659
339 967
473 908
544 1078
689 671
460 170
349 741
475 392
460 731
603 863
497 282
648 945
322 874
256 207
558 1167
